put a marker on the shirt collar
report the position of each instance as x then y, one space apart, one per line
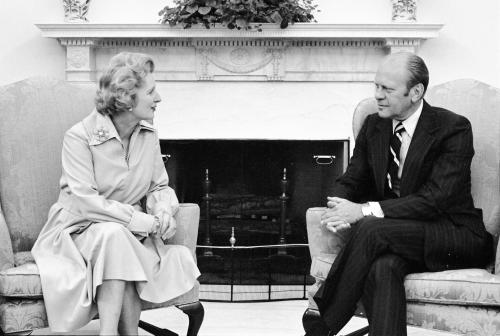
105 130
147 125
410 123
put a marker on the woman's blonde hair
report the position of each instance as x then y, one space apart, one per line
120 80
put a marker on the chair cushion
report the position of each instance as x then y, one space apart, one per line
17 315
473 286
470 287
463 320
21 282
21 258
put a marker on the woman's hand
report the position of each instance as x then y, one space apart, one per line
168 226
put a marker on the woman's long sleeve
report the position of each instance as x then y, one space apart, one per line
160 197
81 186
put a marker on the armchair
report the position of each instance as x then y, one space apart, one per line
463 301
35 114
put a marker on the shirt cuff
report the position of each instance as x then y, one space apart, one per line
376 209
373 209
141 223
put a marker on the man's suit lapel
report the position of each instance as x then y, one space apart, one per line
420 144
380 152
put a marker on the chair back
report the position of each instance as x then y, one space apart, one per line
35 113
480 103
364 108
6 253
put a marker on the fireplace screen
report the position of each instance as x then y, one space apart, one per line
255 273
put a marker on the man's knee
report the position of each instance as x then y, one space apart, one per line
388 265
368 227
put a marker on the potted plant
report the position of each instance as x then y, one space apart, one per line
239 14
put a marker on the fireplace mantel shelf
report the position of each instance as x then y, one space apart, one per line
297 31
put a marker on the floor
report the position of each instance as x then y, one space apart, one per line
278 318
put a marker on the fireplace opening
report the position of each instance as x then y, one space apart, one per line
248 181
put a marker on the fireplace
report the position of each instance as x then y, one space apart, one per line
246 183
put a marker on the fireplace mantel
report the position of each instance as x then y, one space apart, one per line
298 83
240 55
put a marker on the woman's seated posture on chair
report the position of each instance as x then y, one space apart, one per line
102 249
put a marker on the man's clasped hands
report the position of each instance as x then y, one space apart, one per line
340 214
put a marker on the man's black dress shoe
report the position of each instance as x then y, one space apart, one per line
318 328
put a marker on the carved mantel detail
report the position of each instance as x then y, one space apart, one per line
240 60
302 52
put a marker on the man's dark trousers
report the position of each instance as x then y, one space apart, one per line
371 268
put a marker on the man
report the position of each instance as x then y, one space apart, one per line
406 197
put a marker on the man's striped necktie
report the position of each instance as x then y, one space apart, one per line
395 149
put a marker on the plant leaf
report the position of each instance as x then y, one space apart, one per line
276 17
191 9
204 10
241 23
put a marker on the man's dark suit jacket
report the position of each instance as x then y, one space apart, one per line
435 182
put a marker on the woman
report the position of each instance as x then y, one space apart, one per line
102 247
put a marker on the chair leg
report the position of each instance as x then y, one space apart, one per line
152 329
196 313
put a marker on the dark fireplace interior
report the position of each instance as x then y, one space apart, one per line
246 184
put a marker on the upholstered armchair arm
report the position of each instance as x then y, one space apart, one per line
324 246
188 218
321 241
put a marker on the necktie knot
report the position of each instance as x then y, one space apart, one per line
399 128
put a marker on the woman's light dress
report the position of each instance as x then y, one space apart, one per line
98 230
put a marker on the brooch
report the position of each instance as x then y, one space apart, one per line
101 134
